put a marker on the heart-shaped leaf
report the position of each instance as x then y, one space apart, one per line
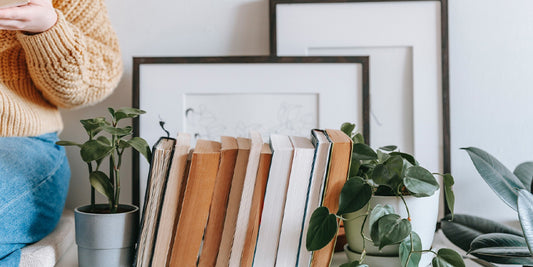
524 172
322 229
502 181
420 181
390 229
379 211
102 184
388 148
448 191
348 128
525 213
355 194
406 156
363 152
381 175
448 258
411 243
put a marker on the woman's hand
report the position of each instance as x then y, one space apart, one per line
35 17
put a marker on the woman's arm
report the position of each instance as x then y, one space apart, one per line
74 62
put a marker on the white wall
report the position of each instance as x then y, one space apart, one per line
491 47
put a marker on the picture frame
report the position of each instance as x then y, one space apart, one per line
196 94
407 41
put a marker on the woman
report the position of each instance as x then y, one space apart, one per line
52 54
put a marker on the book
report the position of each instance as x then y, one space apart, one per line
339 167
159 167
217 212
316 188
257 206
169 210
196 203
278 178
294 210
243 216
234 201
12 3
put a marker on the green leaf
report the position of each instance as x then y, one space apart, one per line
405 249
382 157
388 148
363 152
355 194
126 112
379 211
448 191
94 150
502 181
358 138
354 167
322 229
141 146
93 126
353 264
102 184
406 156
118 131
500 245
420 181
67 143
524 172
395 165
104 140
381 175
390 229
111 111
525 213
348 128
465 228
448 258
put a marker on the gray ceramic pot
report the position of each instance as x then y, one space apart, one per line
106 239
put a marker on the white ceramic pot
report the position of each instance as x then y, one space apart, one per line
424 212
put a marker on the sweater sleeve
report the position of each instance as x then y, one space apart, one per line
77 62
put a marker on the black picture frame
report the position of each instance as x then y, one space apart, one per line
140 61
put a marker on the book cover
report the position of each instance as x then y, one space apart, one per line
294 210
161 158
316 188
217 212
196 203
278 178
339 167
243 217
171 199
257 206
234 201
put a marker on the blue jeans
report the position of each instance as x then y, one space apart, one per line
34 179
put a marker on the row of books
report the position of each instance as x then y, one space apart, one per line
240 201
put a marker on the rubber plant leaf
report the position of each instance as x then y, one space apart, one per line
524 172
525 213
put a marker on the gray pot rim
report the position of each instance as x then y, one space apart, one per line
81 210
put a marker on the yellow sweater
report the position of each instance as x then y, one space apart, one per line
75 63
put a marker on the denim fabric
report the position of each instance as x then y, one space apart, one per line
34 179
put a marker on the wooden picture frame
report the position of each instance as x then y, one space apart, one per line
334 89
310 28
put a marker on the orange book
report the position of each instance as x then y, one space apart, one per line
234 202
257 206
196 202
217 213
339 167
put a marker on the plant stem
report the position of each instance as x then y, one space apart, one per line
93 201
406 207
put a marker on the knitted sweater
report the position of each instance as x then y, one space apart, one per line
75 63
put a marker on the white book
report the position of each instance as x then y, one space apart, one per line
316 189
294 211
241 226
278 178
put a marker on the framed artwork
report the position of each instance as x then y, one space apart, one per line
213 96
407 42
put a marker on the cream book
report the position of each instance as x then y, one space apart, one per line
12 3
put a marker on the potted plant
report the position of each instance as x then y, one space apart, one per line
389 206
488 240
106 233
